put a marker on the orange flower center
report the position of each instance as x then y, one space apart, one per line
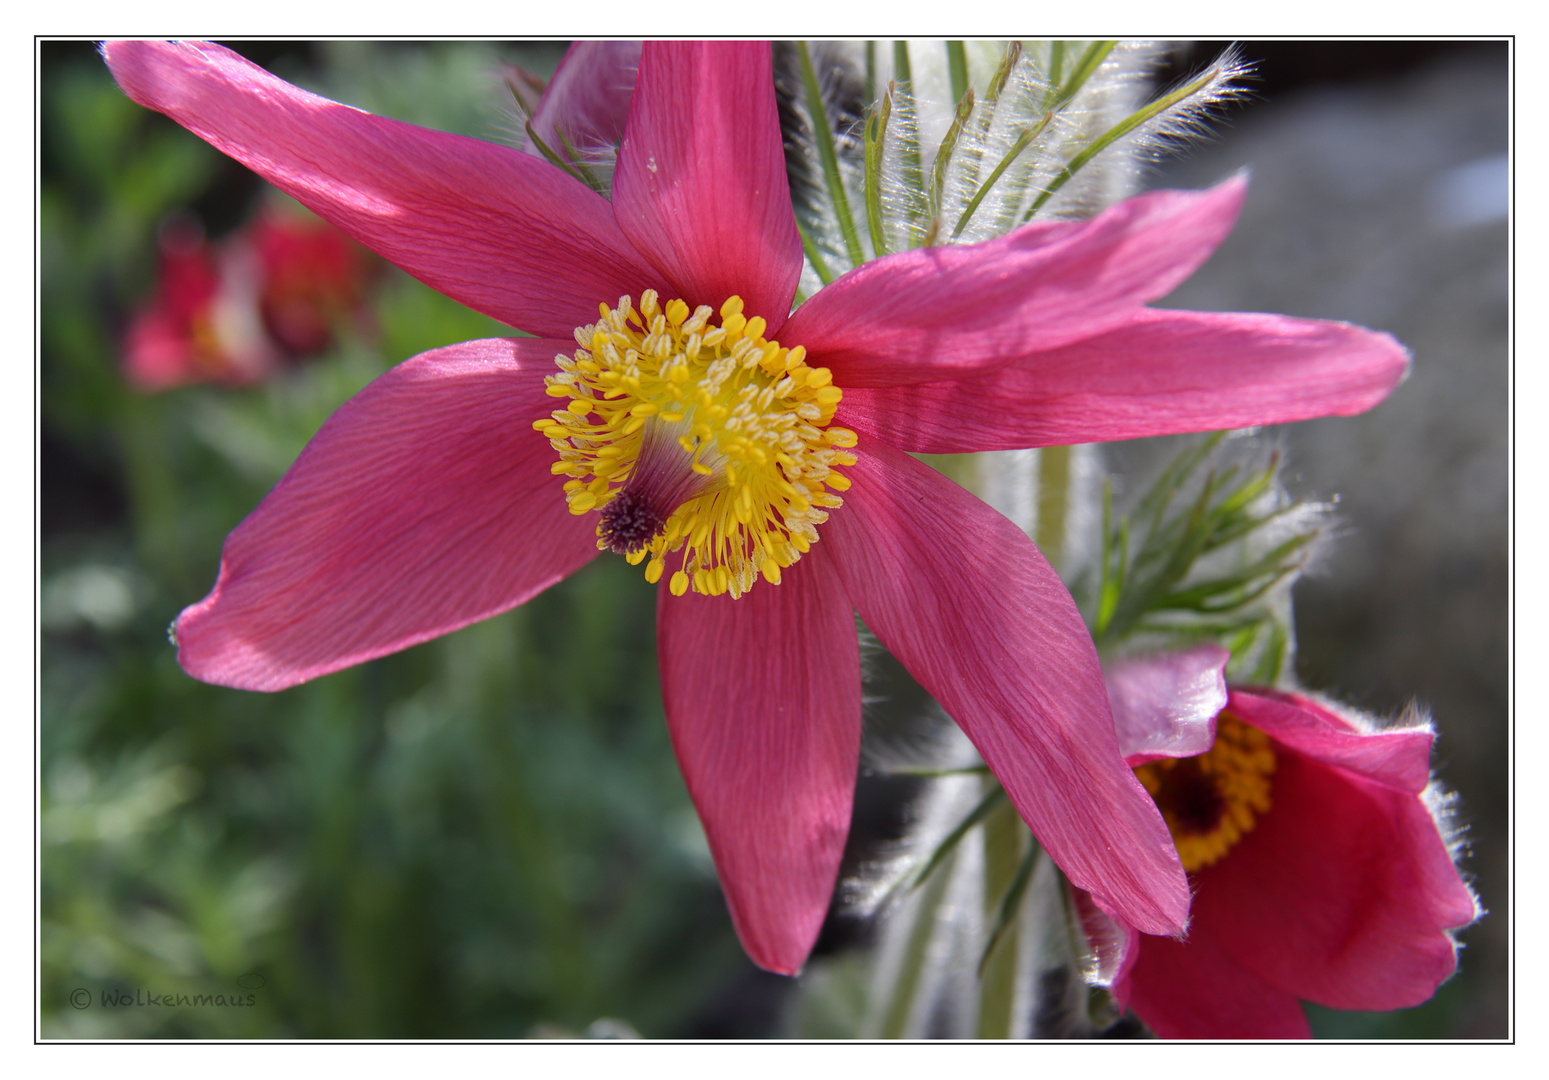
1212 801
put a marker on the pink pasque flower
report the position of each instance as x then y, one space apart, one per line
428 501
1320 869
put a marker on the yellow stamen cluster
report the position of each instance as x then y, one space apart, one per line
1210 802
706 440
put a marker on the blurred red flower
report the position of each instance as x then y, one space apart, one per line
238 310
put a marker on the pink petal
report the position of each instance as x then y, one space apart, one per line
763 698
1398 757
1166 705
588 97
700 185
424 504
494 228
1161 373
966 602
1195 990
946 312
1342 894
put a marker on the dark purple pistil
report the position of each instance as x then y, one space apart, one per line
1192 796
630 522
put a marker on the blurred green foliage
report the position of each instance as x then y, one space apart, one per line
485 836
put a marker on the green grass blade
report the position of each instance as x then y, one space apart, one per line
1242 525
521 106
553 158
910 882
871 72
1240 641
1173 476
986 119
916 952
814 256
1105 565
1272 659
1005 163
1009 904
876 135
908 134
586 174
948 145
1118 131
1056 63
1003 72
1253 487
1090 61
823 135
957 69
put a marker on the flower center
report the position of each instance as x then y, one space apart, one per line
702 445
1210 802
